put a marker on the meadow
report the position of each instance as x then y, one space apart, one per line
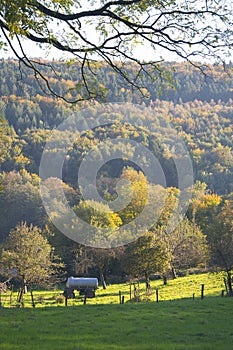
180 288
177 321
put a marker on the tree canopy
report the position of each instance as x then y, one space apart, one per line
146 256
28 256
201 112
221 241
109 31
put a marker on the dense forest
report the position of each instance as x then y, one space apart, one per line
198 105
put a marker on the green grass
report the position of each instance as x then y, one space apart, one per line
168 325
177 322
183 287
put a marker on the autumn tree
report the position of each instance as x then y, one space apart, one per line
81 260
67 249
97 226
11 155
98 260
187 246
204 206
99 216
136 187
28 256
220 237
110 30
146 256
171 201
5 140
20 201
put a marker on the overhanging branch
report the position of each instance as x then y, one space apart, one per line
162 24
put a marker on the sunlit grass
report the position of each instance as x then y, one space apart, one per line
177 322
182 287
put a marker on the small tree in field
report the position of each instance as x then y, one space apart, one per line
28 256
220 237
187 245
99 215
146 256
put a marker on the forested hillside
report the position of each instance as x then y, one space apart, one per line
199 106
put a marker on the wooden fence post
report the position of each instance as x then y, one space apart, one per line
120 296
157 295
33 302
202 291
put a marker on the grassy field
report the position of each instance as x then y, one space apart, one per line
180 288
177 322
169 325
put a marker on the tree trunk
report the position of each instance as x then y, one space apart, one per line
174 275
103 280
147 282
229 282
164 279
23 290
20 298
